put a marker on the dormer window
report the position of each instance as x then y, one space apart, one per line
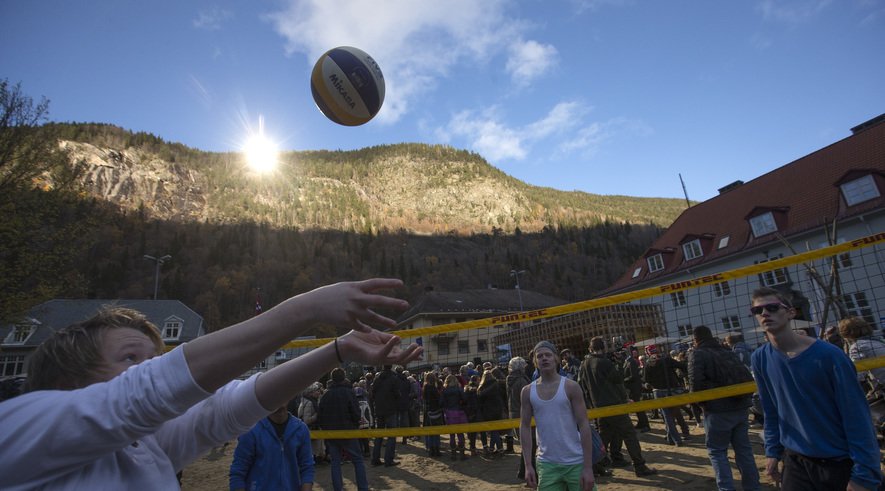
860 190
172 328
763 224
655 263
19 334
692 249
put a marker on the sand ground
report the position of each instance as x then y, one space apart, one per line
685 468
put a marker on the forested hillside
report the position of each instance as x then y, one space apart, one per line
83 203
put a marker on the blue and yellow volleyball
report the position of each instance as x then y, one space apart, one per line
347 86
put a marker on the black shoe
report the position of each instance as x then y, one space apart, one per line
621 462
376 463
391 464
644 470
643 429
686 437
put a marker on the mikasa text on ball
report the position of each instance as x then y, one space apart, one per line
347 86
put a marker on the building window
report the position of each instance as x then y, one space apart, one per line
655 263
723 242
860 190
482 345
463 347
763 224
858 306
775 276
692 250
731 322
721 289
844 259
442 347
12 365
684 330
262 365
171 329
637 271
678 299
19 334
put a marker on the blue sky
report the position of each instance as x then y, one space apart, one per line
602 96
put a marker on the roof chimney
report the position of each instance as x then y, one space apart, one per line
868 124
729 187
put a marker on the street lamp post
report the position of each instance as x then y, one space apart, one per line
516 274
159 261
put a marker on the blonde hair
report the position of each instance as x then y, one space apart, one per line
451 381
71 358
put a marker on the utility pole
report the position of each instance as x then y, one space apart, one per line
684 191
516 274
159 261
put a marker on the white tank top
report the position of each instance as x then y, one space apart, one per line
559 441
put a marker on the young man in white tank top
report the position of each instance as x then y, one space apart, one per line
565 443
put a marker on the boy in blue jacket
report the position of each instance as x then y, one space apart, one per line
274 455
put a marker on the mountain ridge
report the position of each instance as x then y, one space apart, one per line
419 188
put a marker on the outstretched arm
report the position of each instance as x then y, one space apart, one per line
219 357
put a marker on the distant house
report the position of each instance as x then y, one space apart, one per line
839 189
177 324
453 349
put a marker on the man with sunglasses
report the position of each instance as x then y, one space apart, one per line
817 421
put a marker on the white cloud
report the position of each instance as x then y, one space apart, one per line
212 20
589 138
489 137
416 42
530 59
791 11
486 134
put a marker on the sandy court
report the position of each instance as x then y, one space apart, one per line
684 468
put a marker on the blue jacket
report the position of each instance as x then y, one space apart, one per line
263 462
814 406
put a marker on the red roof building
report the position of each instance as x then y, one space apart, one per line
752 222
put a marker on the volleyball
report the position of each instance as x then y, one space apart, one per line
347 86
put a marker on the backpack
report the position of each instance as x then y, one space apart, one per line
730 370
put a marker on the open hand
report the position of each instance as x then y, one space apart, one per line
376 348
351 304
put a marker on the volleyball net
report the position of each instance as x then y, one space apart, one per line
827 283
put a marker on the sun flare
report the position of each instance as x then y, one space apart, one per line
261 153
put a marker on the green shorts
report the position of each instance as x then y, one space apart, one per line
559 477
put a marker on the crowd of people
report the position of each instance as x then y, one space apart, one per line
102 398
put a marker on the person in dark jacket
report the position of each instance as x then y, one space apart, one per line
660 374
404 402
726 419
491 407
633 383
516 380
452 402
603 385
339 410
385 394
258 464
471 407
433 412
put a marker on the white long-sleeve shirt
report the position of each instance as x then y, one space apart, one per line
132 432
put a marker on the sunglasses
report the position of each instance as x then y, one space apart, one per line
769 307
